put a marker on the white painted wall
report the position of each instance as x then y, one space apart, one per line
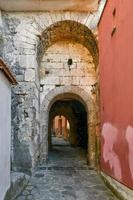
5 134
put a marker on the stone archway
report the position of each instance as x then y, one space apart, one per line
85 86
91 107
76 114
72 31
56 110
42 36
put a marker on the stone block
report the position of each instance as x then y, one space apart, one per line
87 89
26 33
47 20
28 61
25 39
46 90
34 31
82 17
77 72
51 81
73 66
54 72
75 80
24 44
74 16
20 78
58 17
53 17
87 80
26 51
89 19
65 80
30 75
51 65
68 15
40 21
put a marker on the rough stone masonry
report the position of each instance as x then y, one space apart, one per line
37 46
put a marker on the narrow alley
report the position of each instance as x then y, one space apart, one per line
66 100
66 176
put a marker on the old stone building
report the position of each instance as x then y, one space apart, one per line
39 46
52 48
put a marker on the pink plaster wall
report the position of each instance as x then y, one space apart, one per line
116 84
56 122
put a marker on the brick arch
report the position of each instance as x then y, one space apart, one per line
76 93
72 31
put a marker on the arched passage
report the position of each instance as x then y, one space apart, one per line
72 31
76 114
59 126
89 103
59 83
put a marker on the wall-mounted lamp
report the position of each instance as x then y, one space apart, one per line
69 62
41 87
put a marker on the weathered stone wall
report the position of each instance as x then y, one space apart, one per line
25 39
25 96
55 72
79 94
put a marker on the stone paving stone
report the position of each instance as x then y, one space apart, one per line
66 177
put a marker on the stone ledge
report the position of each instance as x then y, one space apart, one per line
120 190
18 183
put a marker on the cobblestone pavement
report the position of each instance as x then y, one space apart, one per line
66 177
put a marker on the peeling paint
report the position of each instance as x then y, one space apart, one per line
129 138
109 133
116 52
